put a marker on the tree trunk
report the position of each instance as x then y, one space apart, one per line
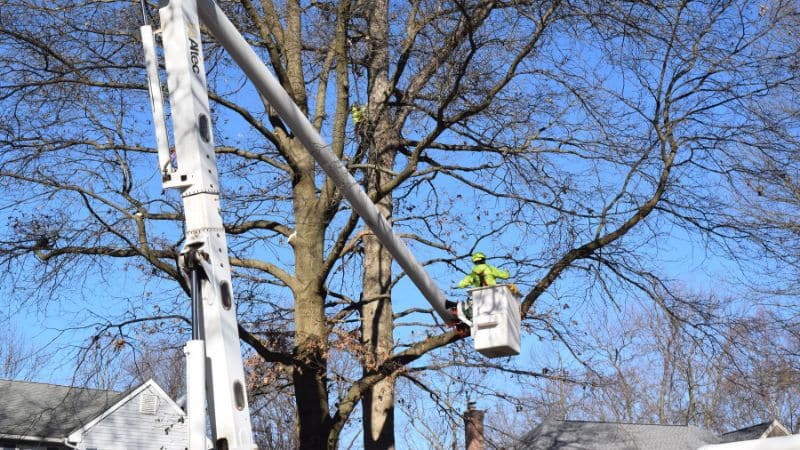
377 329
310 374
376 314
377 336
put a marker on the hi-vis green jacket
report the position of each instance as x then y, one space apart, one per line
483 275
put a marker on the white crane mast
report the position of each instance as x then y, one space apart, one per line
214 361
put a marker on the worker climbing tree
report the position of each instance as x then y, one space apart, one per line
359 113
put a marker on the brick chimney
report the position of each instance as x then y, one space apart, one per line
473 428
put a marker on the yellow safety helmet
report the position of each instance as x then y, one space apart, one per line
478 256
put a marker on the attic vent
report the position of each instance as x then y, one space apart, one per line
148 404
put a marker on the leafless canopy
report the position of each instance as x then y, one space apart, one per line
584 144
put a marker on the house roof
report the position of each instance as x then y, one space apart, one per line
759 431
575 435
39 411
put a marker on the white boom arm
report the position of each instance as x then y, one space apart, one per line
213 356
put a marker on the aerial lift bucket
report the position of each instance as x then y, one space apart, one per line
495 322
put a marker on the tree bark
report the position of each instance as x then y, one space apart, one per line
377 337
377 331
311 344
377 322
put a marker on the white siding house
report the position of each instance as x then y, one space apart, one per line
145 419
50 417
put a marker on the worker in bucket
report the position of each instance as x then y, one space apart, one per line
482 274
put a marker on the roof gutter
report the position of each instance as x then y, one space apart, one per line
21 437
774 443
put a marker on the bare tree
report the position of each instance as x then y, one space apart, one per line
161 361
18 358
568 137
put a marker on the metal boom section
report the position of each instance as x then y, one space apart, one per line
214 361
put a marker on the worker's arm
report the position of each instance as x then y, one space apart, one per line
468 280
499 273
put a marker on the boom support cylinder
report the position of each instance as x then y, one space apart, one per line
197 305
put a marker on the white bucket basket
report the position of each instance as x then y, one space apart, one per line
495 321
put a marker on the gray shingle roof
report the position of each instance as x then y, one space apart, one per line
754 432
745 434
581 435
47 410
